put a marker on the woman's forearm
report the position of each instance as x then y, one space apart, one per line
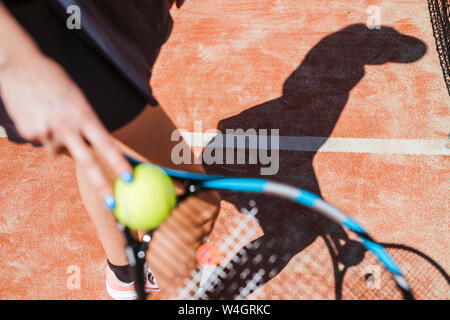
16 46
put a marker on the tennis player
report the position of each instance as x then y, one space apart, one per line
70 88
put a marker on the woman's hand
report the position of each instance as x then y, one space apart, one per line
48 107
178 2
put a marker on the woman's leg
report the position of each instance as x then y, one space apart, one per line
172 250
104 222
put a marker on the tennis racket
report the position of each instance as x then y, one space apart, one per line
244 269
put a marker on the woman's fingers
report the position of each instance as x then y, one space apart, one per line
50 146
49 108
101 141
82 154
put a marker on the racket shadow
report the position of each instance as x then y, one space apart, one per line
313 98
427 278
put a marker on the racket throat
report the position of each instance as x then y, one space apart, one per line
136 253
190 189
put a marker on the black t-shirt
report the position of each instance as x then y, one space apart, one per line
128 33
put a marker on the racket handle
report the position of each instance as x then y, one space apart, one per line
136 260
139 281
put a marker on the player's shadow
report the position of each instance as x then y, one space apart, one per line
313 98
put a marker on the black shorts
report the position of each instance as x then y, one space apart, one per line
117 98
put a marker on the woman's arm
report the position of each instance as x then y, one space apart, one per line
48 107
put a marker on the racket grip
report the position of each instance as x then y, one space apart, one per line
136 261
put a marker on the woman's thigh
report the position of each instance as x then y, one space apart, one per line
152 136
174 244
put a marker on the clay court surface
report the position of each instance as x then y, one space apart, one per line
307 68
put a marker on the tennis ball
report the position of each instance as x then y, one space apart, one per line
145 203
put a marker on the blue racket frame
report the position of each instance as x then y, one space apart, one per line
196 182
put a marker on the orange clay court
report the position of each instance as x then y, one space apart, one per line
233 64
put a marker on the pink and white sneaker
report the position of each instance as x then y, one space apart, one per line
150 280
119 290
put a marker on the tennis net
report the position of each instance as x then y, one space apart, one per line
440 15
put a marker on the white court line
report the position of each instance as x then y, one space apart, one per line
434 147
325 144
3 132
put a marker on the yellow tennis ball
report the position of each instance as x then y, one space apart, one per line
145 203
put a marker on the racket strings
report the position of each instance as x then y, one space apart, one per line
172 251
257 267
427 279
